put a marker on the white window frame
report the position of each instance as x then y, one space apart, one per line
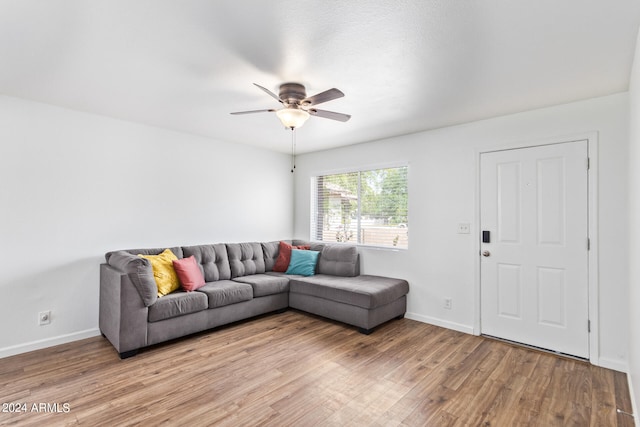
313 229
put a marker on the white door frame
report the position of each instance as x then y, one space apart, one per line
592 143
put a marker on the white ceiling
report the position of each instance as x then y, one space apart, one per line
404 66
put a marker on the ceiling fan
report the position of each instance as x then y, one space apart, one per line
297 107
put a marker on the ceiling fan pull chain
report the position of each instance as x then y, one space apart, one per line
293 149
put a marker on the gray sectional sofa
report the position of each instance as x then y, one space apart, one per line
239 284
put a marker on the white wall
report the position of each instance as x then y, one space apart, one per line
442 168
74 186
634 231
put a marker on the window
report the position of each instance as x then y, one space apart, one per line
366 207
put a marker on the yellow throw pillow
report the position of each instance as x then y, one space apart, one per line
163 271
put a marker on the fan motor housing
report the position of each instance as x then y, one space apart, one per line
292 93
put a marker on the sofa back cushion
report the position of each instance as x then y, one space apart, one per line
213 259
245 259
338 260
270 251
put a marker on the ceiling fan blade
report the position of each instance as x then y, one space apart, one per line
254 111
329 115
269 92
321 97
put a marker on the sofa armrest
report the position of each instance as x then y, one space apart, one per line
123 314
139 271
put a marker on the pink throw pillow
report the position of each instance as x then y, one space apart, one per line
189 273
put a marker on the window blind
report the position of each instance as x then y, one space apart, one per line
364 207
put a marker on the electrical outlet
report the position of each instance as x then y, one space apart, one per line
448 302
44 317
464 228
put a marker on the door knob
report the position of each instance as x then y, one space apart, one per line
486 253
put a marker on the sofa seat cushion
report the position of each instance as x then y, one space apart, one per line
265 284
279 274
362 291
177 304
226 292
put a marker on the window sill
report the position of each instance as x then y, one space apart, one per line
362 246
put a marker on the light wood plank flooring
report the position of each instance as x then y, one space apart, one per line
293 369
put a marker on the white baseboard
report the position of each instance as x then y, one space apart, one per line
632 395
616 365
48 342
439 322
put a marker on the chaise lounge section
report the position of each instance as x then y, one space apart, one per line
239 284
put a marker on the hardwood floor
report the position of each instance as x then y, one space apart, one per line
293 369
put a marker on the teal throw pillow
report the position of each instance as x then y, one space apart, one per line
303 262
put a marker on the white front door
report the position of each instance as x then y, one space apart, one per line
534 246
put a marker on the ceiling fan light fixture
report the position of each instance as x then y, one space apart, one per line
292 117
